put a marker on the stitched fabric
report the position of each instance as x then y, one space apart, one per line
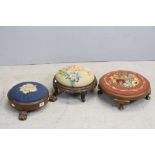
75 76
28 92
125 83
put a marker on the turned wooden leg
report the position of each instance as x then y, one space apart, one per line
56 90
83 96
148 97
100 90
95 84
22 115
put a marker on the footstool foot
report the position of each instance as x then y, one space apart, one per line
121 107
132 101
148 97
100 92
121 103
83 97
22 115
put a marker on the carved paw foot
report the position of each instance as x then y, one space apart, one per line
22 116
52 98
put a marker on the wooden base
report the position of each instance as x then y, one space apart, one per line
59 88
122 102
25 108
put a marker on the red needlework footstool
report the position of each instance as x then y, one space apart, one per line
124 86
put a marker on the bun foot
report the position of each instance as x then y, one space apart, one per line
121 103
132 101
22 116
121 107
100 92
148 97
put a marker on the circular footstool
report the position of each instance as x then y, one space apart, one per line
28 96
74 80
124 86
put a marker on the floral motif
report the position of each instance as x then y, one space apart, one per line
72 75
127 80
77 69
74 68
28 88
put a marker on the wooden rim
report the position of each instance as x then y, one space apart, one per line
134 93
30 106
73 90
125 97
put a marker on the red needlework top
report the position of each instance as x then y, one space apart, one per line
123 82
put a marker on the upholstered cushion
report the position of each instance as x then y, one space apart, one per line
28 92
124 83
75 76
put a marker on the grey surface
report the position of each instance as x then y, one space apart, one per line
35 45
69 111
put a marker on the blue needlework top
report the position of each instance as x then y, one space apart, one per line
28 92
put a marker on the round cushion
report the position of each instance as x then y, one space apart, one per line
75 76
124 83
28 92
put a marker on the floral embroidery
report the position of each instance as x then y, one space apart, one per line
72 75
77 69
74 68
127 80
28 88
74 72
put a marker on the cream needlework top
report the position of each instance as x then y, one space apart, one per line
75 76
